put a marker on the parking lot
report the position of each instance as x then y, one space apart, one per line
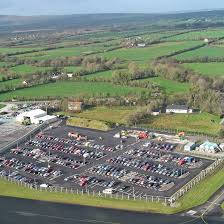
87 159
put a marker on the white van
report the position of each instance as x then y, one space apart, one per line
108 191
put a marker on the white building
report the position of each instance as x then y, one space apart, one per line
209 147
141 45
37 116
70 75
178 109
189 146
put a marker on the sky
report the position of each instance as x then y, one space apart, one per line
60 7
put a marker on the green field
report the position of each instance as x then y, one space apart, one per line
169 86
7 50
10 83
106 75
108 114
26 69
207 51
65 52
208 69
149 53
1 106
68 88
88 123
199 35
190 123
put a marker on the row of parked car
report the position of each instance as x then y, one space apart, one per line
43 156
163 157
159 146
89 144
18 177
147 166
72 150
31 168
151 182
109 170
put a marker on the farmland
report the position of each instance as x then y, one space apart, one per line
208 69
207 51
65 89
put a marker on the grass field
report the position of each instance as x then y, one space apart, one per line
69 88
169 86
208 69
88 123
193 122
1 106
27 69
6 50
65 52
10 83
199 35
196 196
149 53
106 75
108 114
207 51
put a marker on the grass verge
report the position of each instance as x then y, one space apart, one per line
87 123
197 196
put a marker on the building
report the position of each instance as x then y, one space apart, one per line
156 112
75 106
141 45
209 147
178 109
70 75
190 146
36 116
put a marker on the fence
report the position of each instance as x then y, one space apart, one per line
88 192
209 170
121 195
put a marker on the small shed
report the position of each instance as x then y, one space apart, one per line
190 146
75 105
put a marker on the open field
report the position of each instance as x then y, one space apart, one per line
196 196
10 83
106 75
68 88
107 114
149 53
9 50
208 69
169 86
199 35
181 122
207 51
26 69
88 123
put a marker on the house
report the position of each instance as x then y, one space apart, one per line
156 112
206 40
189 146
36 116
75 106
70 75
178 109
25 83
141 45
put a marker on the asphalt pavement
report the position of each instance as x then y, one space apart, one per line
20 211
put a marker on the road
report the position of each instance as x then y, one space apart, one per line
20 211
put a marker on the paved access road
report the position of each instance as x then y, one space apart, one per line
20 211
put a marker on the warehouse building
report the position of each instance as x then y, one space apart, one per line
36 116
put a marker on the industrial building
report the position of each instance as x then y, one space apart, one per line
36 116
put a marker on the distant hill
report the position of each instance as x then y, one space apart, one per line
202 18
